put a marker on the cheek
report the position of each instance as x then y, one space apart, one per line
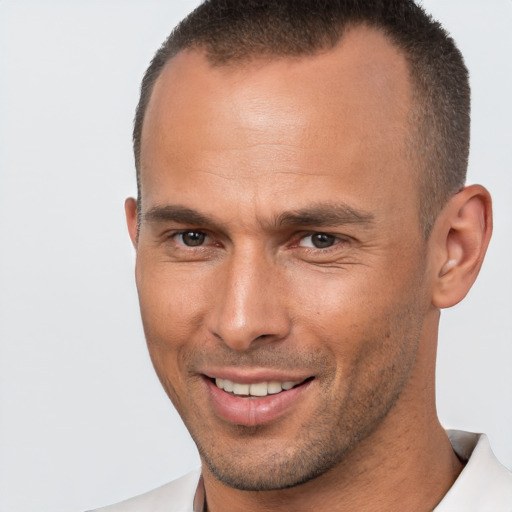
369 325
171 310
171 302
333 305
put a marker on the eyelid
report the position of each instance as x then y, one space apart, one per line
337 240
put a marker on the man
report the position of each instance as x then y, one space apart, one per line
301 220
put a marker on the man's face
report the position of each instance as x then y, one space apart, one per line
280 248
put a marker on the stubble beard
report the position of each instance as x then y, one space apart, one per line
250 458
340 425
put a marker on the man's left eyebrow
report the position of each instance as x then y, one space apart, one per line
324 215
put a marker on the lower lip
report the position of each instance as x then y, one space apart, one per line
253 411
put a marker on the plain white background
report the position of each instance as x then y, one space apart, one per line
83 419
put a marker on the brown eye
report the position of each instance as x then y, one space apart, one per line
191 238
318 241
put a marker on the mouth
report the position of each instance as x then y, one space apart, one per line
256 402
256 389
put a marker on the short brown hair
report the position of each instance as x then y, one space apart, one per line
231 31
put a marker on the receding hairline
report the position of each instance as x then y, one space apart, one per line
439 121
258 61
267 57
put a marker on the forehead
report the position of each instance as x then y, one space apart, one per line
271 125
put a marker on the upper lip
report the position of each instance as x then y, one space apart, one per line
254 375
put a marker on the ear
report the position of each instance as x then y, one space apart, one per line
130 208
461 236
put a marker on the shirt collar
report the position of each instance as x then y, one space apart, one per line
200 497
484 484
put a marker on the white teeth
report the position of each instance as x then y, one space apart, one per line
256 389
240 389
274 387
259 389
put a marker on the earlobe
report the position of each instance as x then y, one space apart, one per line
461 237
130 208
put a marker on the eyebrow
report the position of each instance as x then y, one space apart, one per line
176 213
324 214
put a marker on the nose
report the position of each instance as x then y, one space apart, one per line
250 307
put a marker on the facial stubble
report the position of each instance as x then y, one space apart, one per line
345 418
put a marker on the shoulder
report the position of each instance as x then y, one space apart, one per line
175 496
484 484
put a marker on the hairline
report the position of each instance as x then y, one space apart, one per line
415 120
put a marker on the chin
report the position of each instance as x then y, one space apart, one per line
272 476
258 465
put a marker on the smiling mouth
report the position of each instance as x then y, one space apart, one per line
257 389
252 400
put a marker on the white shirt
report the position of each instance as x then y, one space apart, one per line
484 485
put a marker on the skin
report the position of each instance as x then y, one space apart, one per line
251 161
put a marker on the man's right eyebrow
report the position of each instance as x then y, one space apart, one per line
176 213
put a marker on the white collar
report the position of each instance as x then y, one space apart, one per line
484 485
